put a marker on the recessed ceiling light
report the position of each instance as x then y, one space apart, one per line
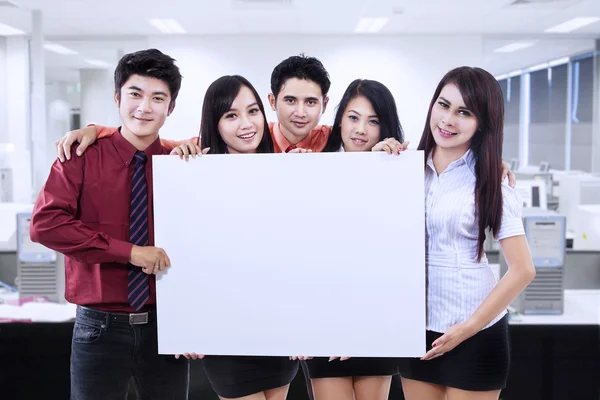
167 25
370 25
57 48
572 25
6 30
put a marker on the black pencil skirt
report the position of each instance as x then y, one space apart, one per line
480 363
237 376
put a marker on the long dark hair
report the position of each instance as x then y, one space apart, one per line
218 99
383 103
483 96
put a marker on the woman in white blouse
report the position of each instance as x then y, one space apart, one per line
467 330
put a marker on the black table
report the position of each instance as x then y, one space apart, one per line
549 362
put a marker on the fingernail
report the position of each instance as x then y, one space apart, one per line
434 345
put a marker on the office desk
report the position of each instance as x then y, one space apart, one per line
557 357
553 357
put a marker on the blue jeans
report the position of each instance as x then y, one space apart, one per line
109 349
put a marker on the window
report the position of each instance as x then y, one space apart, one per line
582 112
548 116
511 89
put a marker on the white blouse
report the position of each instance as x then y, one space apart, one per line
456 283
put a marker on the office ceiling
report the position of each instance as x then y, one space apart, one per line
99 27
81 18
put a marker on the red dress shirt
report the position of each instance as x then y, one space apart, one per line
83 212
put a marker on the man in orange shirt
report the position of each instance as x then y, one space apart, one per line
299 87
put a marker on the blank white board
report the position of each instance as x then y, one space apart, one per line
319 254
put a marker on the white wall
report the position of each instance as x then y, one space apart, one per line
18 117
3 93
97 97
61 98
411 67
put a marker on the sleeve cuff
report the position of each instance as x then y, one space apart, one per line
121 250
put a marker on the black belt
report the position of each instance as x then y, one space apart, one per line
138 318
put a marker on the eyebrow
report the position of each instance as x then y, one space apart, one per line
449 102
251 105
290 97
370 116
153 93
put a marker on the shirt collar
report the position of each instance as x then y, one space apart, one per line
126 150
467 159
283 143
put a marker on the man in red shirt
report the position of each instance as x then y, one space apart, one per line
97 211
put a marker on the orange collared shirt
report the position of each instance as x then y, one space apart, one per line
315 141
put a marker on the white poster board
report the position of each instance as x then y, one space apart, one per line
292 254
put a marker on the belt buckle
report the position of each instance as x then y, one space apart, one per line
138 318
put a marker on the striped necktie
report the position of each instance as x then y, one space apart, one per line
138 285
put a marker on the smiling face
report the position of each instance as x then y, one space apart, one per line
299 106
242 127
360 125
143 107
452 123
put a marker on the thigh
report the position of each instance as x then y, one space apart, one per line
372 387
157 376
279 393
418 390
101 363
333 388
457 394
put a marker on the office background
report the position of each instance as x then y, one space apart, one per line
57 59
56 74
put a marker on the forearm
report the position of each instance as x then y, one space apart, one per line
103 131
64 234
506 291
171 144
